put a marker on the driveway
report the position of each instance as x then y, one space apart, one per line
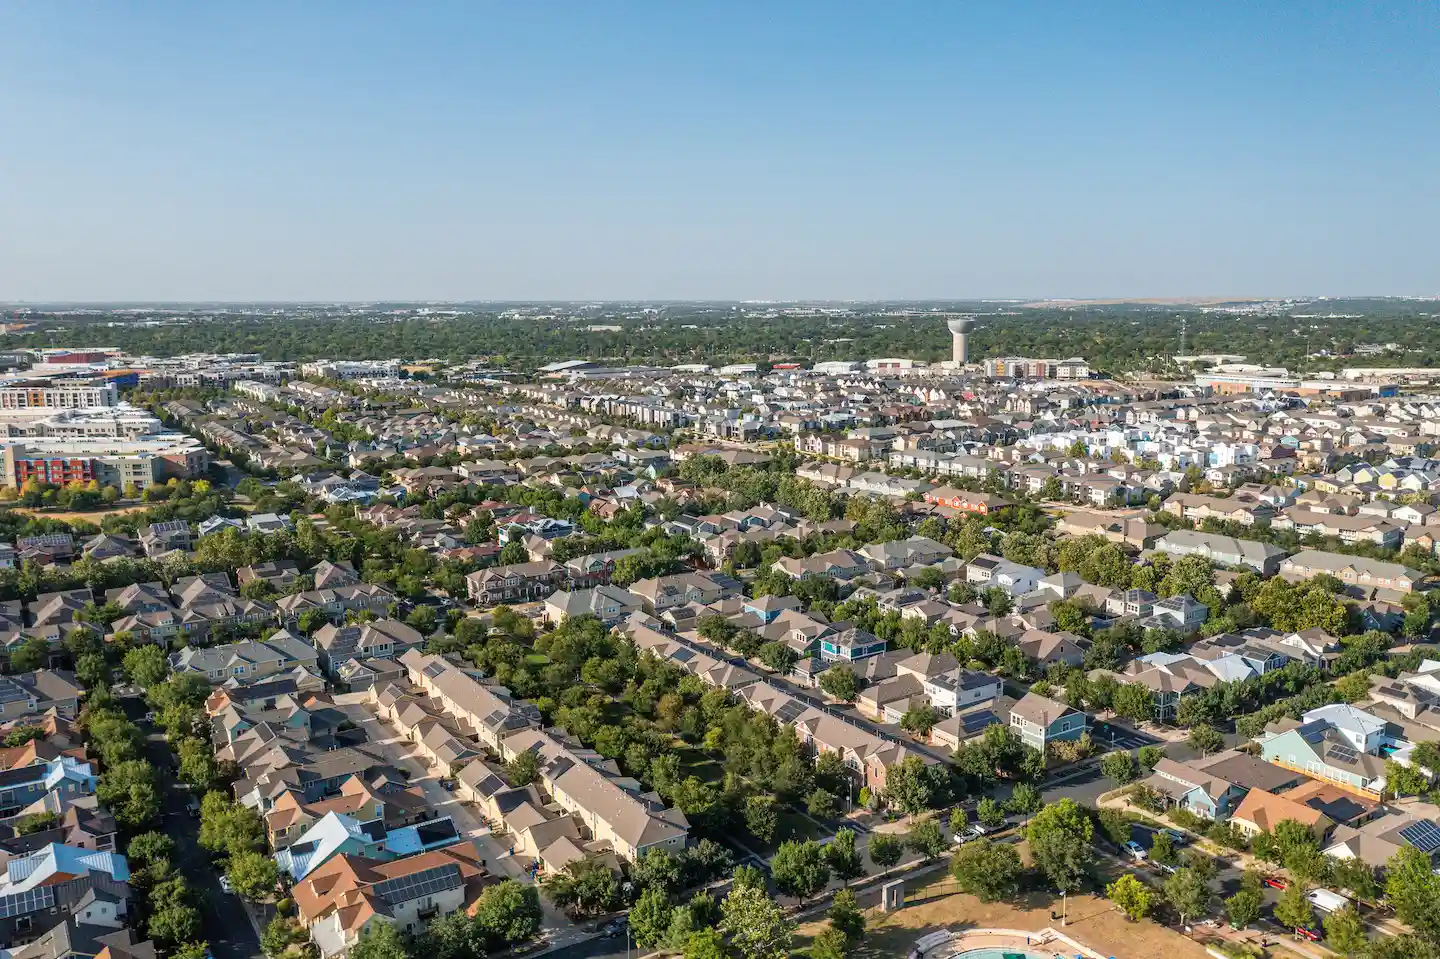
556 927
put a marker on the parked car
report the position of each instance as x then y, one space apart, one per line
193 807
1176 836
614 929
1136 851
1163 867
1305 932
225 886
977 830
1276 882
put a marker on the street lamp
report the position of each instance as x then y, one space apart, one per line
1064 901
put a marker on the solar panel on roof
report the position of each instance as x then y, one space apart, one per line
24 903
975 722
790 712
490 785
1342 754
1424 835
436 830
560 767
10 692
434 669
682 655
426 882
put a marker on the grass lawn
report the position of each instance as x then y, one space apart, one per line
1092 921
537 659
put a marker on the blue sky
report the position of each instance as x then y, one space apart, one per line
717 150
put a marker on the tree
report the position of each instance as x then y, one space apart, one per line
705 944
149 848
1345 932
229 828
31 655
843 858
523 769
254 875
841 683
657 869
885 850
779 657
1131 895
919 720
1162 849
990 813
829 943
179 923
1293 909
1188 893
1205 738
145 666
762 817
455 935
1243 908
1355 876
380 940
1119 766
514 552
822 804
755 924
1150 756
799 869
128 789
987 870
1134 701
1414 892
650 917
908 786
926 839
847 919
1060 836
1025 800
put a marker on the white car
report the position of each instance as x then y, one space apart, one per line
225 886
1136 851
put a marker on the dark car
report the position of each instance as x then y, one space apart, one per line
614 929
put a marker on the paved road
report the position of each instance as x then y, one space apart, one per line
231 936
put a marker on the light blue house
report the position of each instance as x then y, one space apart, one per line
337 834
1321 751
1038 721
850 645
58 782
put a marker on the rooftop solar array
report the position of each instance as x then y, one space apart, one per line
434 669
490 785
560 767
789 712
682 655
975 722
1343 754
11 692
426 882
436 831
24 903
1424 835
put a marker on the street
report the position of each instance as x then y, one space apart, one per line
228 926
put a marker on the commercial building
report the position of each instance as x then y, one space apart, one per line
143 461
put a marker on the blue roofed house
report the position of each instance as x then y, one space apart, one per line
40 890
336 834
54 783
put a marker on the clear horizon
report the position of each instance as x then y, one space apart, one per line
360 152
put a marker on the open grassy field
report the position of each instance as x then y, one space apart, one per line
1092 921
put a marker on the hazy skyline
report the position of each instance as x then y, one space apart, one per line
356 151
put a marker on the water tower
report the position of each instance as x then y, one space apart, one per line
959 326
